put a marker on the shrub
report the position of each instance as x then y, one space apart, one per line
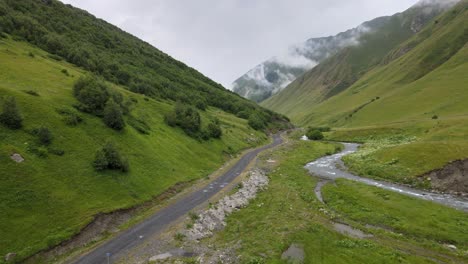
92 94
214 130
113 117
30 54
10 115
435 117
71 117
185 117
44 135
65 71
139 125
109 158
256 122
314 134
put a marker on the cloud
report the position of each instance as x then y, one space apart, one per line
224 39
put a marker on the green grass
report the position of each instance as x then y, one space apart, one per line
400 152
390 107
413 218
46 200
288 212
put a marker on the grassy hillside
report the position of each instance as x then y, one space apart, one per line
78 37
410 110
48 197
342 70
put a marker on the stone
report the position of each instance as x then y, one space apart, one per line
452 247
214 218
17 158
10 257
294 254
162 256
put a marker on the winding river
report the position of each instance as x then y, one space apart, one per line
328 167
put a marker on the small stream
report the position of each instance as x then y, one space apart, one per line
328 167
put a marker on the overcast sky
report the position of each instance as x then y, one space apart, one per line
224 39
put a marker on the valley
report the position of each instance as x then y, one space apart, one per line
112 151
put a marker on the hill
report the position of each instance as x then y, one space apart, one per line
409 108
343 69
275 74
94 125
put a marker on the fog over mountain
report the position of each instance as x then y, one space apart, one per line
273 75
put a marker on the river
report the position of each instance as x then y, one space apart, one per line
328 167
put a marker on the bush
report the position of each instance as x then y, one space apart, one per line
435 117
71 117
10 115
31 92
214 130
44 135
314 134
65 71
109 158
185 117
256 122
113 116
92 94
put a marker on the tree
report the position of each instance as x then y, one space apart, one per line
113 116
10 115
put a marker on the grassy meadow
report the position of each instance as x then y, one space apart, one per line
289 212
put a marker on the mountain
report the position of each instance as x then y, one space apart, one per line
409 107
340 71
273 75
94 120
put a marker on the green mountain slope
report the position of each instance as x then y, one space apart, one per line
99 47
45 47
48 198
410 109
342 70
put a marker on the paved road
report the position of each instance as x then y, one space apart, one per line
156 223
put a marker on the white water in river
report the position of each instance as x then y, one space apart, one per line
326 167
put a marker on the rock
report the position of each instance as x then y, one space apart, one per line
213 219
452 247
10 257
17 158
161 257
294 254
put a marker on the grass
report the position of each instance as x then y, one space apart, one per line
418 219
46 200
401 152
288 212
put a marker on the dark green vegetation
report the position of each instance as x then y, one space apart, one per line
70 84
314 134
408 106
10 116
404 229
110 158
73 35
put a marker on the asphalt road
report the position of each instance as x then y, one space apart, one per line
134 236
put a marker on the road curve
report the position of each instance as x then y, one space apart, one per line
135 235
